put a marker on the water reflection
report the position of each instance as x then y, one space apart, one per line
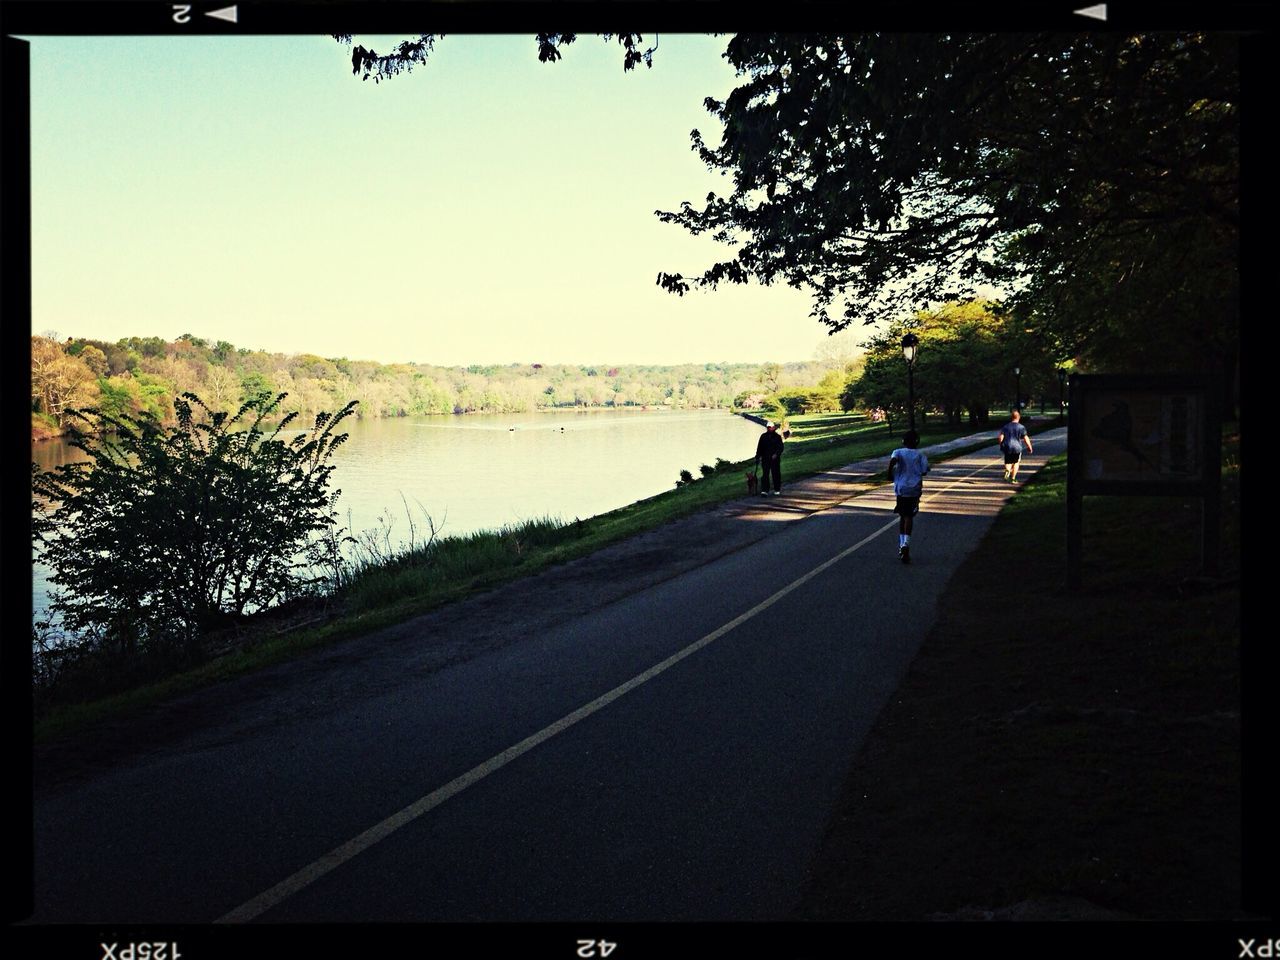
483 471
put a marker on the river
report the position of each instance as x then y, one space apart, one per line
481 471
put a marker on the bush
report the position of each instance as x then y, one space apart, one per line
685 477
165 534
707 470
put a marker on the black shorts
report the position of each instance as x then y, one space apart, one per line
907 506
1015 457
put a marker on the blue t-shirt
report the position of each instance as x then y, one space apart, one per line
1014 434
908 473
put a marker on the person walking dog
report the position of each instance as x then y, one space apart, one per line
769 456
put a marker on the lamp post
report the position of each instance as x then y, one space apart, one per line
1017 388
910 343
1062 383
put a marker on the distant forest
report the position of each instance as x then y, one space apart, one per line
144 374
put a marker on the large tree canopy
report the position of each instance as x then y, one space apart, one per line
1093 174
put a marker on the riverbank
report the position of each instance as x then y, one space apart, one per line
400 586
45 428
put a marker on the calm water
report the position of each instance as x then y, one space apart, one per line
482 471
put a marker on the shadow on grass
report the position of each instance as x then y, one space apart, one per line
1056 755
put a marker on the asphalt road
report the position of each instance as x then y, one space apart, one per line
656 741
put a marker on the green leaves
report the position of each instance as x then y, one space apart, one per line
880 172
965 360
164 534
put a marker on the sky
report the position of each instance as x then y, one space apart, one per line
485 208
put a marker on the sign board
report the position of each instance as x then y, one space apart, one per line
1143 436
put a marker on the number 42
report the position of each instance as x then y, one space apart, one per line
595 948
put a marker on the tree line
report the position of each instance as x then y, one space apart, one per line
143 375
973 358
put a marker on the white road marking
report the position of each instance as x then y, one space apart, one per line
358 844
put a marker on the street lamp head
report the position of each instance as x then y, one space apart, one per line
909 344
1017 371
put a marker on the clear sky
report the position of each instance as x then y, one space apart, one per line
485 208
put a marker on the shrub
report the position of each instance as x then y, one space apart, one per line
685 477
707 470
166 533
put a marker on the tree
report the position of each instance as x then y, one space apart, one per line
106 359
162 534
883 385
223 386
59 382
840 349
95 360
120 396
965 362
145 346
1094 174
771 376
254 382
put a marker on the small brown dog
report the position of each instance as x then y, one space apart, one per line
751 483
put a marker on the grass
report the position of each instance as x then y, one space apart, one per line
387 586
1047 744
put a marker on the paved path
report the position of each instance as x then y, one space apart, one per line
656 732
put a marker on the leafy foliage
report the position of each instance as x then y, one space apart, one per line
164 534
965 361
1095 175
410 53
152 372
60 381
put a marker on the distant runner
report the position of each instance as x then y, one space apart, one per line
907 467
1012 436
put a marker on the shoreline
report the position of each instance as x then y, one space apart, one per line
506 555
45 433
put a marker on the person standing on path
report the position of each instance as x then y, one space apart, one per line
769 456
907 467
1012 436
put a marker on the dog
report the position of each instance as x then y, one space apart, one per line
751 483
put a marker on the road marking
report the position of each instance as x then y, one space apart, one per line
380 831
